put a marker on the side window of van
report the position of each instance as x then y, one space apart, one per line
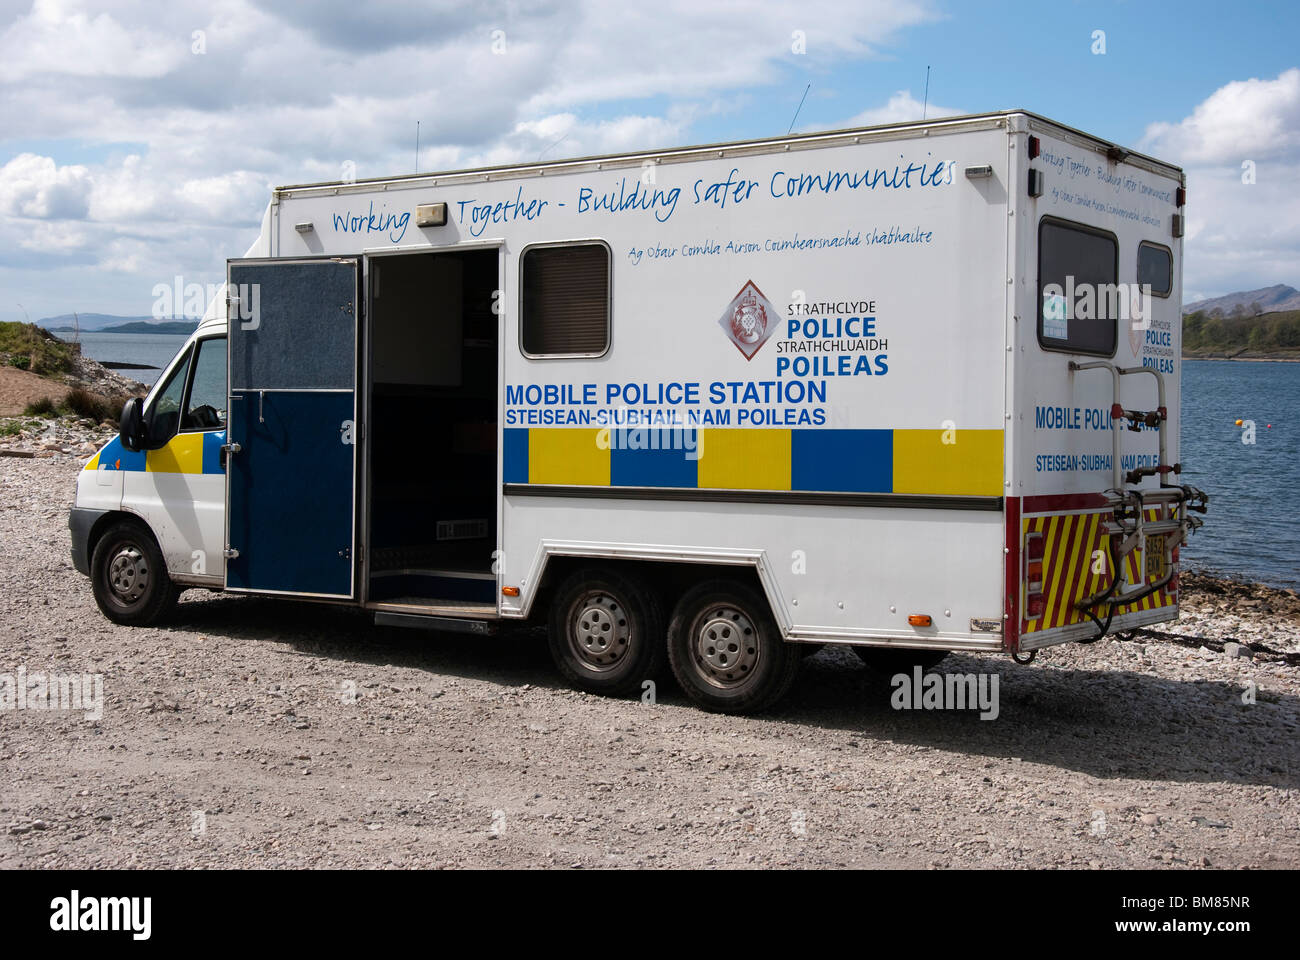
1078 300
1155 267
165 415
206 407
565 300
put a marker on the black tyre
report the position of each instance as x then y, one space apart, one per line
900 660
726 651
130 578
606 632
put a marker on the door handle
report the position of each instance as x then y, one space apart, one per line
227 448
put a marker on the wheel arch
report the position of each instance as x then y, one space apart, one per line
110 519
669 576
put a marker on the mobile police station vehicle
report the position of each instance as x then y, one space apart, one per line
911 388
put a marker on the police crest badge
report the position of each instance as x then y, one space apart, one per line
749 320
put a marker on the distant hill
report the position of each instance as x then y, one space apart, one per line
154 326
87 322
1268 336
1270 300
107 323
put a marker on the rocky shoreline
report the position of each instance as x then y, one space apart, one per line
62 437
24 385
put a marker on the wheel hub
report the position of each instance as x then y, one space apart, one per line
726 646
599 632
128 574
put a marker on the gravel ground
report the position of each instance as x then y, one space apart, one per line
260 733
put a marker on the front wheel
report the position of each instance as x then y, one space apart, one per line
129 577
606 632
726 651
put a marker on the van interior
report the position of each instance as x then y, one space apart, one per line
433 412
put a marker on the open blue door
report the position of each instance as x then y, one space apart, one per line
291 465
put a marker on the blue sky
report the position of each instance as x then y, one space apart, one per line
130 156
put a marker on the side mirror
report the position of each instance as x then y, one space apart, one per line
131 429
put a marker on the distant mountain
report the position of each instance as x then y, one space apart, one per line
156 326
87 322
1270 300
107 323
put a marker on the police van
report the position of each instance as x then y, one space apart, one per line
911 389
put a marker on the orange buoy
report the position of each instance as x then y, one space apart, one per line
1239 423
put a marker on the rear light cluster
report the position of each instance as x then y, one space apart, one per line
1035 600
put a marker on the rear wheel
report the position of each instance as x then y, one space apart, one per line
726 651
899 660
129 576
606 632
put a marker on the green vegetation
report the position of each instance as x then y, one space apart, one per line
1242 332
28 347
83 403
168 326
78 403
10 428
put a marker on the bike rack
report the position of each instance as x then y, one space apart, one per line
1128 528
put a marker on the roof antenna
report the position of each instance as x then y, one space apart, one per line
798 108
417 146
926 102
552 146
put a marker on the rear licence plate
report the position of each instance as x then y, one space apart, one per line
1155 558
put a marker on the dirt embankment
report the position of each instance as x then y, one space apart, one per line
261 733
35 365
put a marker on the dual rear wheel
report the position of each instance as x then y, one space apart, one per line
724 648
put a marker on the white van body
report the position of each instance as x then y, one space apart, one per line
834 364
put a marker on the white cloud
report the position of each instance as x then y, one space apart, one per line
686 47
54 238
35 186
901 108
177 150
54 38
1240 235
1245 119
565 135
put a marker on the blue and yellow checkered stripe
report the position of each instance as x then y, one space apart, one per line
839 461
184 453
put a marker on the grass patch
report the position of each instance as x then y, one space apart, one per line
42 353
43 407
10 428
83 403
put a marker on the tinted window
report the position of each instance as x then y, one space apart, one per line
165 414
1156 267
565 300
1078 302
206 409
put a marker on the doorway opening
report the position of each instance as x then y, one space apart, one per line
433 422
